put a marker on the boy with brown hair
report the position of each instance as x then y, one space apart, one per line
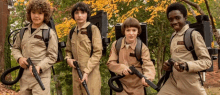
33 46
120 63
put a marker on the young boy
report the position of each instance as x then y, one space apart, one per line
79 48
132 85
32 46
184 81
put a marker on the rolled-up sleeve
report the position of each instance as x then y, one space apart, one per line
97 50
204 60
112 61
52 52
16 48
147 66
68 48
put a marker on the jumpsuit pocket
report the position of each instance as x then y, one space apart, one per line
181 49
73 47
85 44
37 47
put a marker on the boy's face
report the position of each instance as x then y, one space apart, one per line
131 34
80 16
177 20
37 17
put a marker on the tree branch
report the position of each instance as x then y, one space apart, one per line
215 32
195 5
192 11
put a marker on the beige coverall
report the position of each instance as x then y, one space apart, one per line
187 83
80 48
32 46
132 84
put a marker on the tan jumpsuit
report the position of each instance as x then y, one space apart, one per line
32 46
80 48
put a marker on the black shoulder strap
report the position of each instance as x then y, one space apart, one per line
118 45
46 35
138 50
189 43
188 39
71 32
89 34
22 33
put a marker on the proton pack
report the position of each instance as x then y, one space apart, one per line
101 21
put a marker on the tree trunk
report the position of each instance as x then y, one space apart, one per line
215 32
4 14
192 11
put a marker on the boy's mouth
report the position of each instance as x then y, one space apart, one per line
175 26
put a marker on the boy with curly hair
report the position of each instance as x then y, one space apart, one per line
33 46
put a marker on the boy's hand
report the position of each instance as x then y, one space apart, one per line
70 62
126 71
23 63
37 68
182 64
85 77
143 82
167 66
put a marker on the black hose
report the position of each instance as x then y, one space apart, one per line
116 79
14 38
9 71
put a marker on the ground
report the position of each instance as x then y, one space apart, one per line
5 91
212 83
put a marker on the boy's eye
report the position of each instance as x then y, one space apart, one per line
177 17
127 30
170 19
134 30
76 12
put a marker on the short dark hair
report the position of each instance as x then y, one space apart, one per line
177 6
39 6
82 7
131 22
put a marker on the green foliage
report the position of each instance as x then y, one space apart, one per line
7 50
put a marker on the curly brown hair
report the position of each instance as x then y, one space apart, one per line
39 6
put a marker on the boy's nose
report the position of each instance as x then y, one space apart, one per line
80 14
36 15
174 21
